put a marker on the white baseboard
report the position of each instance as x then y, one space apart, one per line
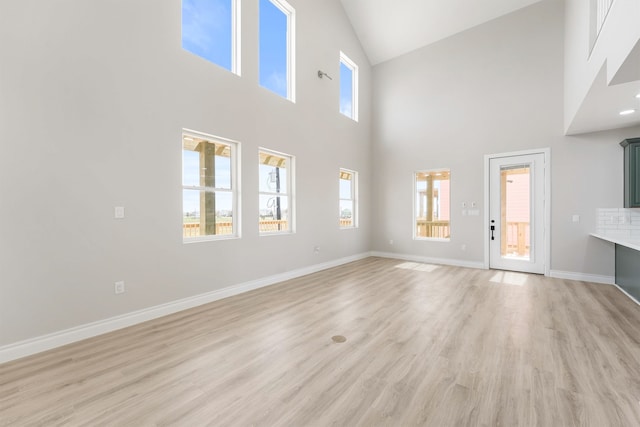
429 260
57 339
582 277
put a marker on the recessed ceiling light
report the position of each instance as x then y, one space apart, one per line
627 112
638 95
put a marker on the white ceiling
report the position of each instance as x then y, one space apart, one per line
388 29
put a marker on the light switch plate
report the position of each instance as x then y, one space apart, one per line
118 212
118 287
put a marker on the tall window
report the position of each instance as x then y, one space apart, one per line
277 47
276 192
348 198
209 187
432 204
348 87
211 30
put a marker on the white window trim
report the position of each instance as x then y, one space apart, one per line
290 12
344 59
236 44
290 192
354 198
236 39
234 190
414 215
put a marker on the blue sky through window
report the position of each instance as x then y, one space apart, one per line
267 179
345 188
346 90
207 30
191 177
273 48
191 170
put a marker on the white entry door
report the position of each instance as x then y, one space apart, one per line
517 229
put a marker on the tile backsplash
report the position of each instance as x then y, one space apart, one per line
620 222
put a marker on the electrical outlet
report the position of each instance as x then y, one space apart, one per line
391 241
118 287
316 249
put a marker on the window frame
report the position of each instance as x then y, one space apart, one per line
344 59
236 39
234 186
415 210
290 12
290 194
353 199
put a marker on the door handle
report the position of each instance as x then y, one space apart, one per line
492 228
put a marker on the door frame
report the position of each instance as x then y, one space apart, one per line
547 202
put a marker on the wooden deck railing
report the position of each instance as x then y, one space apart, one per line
265 226
517 242
225 228
438 229
346 222
271 225
518 239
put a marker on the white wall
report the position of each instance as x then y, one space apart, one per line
495 88
93 98
585 58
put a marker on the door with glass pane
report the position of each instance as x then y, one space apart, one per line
516 213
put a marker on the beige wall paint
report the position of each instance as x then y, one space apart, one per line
493 89
94 95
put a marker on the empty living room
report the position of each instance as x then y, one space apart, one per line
329 213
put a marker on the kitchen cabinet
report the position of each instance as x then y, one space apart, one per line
631 172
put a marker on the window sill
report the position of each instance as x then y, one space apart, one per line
276 233
432 239
208 239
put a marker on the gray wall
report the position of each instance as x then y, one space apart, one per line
495 88
93 97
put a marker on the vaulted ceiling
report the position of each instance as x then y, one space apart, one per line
388 29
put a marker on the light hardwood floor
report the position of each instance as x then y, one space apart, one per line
426 345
